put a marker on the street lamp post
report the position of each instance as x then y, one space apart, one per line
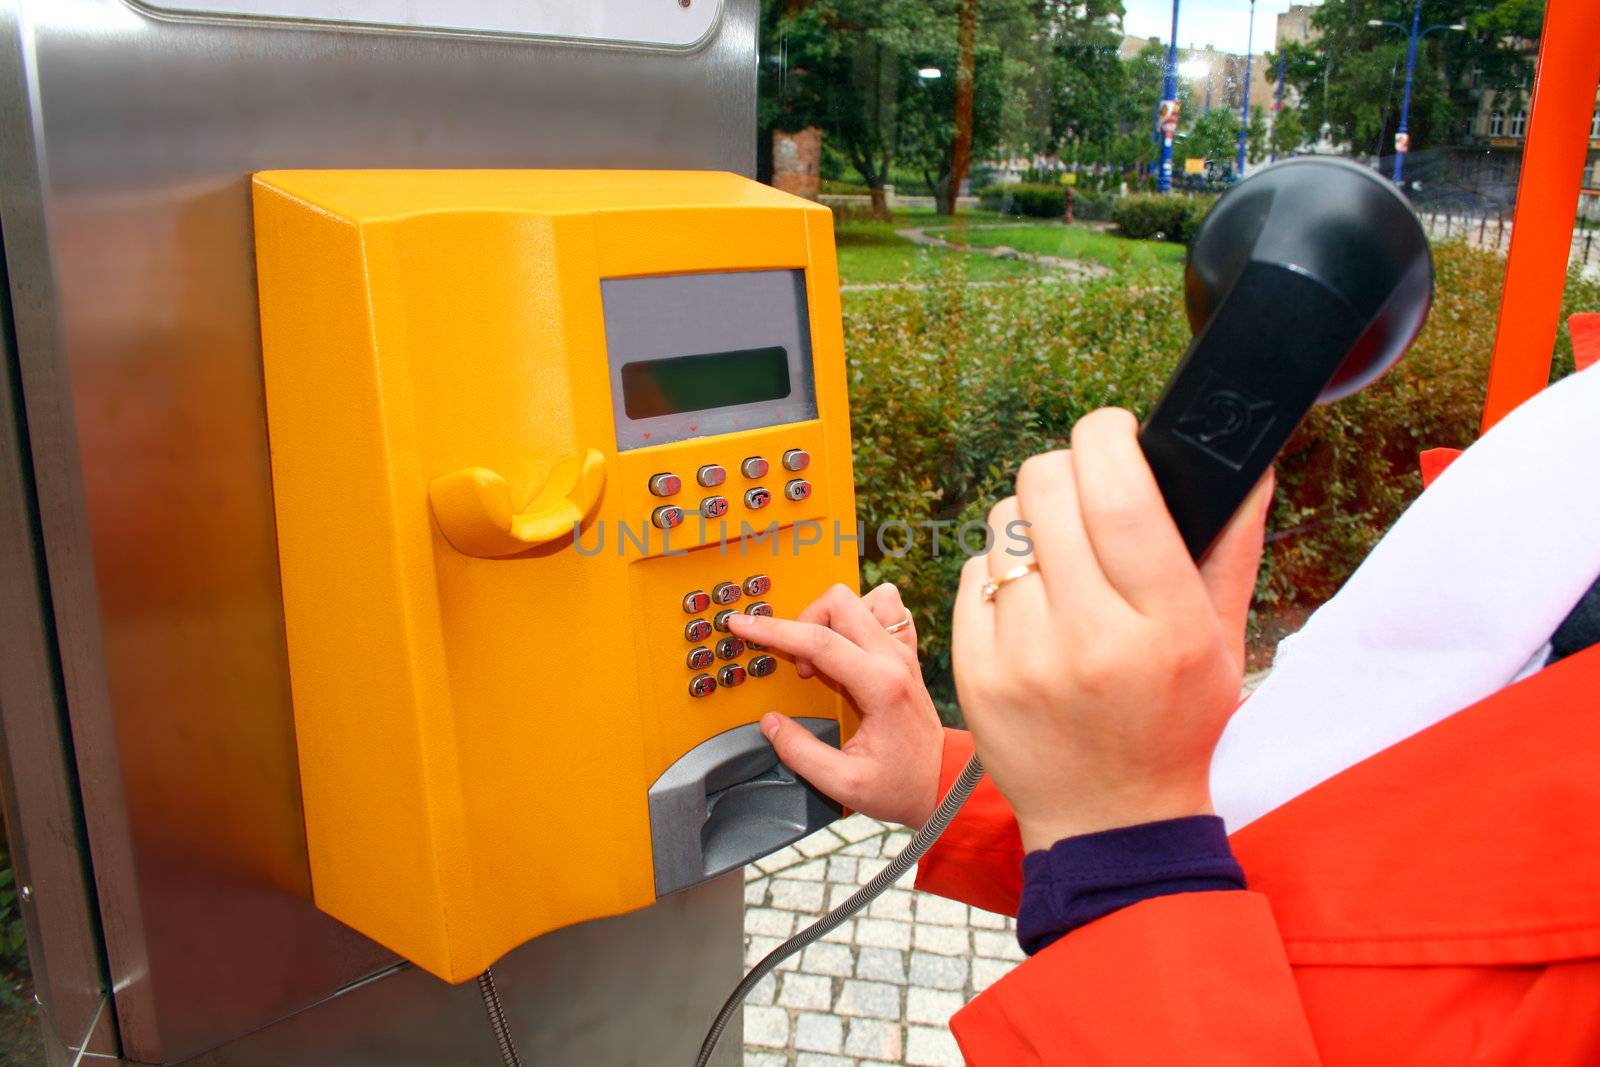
1167 109
1277 109
1244 109
1402 137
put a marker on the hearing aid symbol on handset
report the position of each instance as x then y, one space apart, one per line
1304 283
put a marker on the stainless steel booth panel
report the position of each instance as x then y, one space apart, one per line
125 145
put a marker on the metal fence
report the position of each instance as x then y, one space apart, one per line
1493 232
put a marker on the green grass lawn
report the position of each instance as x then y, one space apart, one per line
872 253
1069 242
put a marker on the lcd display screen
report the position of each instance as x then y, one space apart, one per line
655 387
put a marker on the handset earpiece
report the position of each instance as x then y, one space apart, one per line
1304 283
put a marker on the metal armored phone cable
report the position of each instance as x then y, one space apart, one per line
959 791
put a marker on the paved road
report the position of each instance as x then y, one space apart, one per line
881 988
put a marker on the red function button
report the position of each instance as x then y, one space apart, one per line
697 630
796 459
702 685
724 593
667 516
665 484
754 467
696 602
711 475
757 498
714 507
757 585
730 648
798 489
760 607
731 675
762 666
700 658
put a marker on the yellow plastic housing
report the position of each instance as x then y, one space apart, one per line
480 715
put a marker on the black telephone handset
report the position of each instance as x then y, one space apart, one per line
1304 283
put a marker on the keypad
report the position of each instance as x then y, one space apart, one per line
715 506
716 664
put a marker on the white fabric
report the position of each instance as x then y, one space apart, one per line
1455 601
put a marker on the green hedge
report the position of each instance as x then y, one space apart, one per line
1033 199
1168 217
953 386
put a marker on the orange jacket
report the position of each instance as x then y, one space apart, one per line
1438 903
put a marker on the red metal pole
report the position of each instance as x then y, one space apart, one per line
1547 204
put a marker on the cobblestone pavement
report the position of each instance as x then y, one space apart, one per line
881 988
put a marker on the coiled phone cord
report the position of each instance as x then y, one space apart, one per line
497 1019
962 788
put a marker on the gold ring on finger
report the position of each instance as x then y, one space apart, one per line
992 586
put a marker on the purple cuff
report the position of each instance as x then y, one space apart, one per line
1080 879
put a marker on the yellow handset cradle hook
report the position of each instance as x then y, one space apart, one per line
473 507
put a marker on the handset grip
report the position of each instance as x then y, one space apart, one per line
474 512
1237 395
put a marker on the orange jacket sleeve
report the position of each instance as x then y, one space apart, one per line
1194 978
978 859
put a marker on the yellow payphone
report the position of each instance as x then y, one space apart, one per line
533 433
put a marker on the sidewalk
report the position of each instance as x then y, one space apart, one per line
881 988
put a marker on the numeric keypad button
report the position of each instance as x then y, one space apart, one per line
730 648
761 666
757 585
731 675
697 630
702 685
696 602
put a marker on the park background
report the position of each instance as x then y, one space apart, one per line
1008 264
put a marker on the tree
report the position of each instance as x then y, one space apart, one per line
841 65
1256 145
927 130
1213 136
961 140
1351 77
1288 132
